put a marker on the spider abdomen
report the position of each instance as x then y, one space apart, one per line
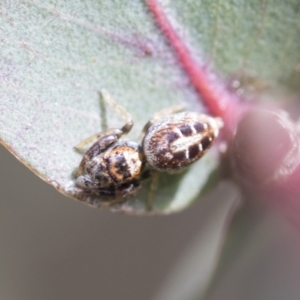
176 141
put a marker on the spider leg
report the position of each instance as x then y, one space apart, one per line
119 109
98 136
119 132
161 114
153 189
108 196
104 139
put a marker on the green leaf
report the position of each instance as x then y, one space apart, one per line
56 57
255 42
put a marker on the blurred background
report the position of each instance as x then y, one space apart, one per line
55 248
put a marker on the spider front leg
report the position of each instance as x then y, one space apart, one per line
120 110
108 197
105 138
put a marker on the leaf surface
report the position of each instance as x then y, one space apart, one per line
57 56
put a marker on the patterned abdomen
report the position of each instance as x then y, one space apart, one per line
176 141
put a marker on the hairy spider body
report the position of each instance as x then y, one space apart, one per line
176 141
113 169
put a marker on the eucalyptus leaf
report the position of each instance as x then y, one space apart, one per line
57 56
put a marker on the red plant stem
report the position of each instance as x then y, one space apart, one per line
284 193
218 100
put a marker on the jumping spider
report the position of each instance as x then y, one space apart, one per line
112 170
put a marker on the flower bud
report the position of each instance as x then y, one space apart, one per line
265 147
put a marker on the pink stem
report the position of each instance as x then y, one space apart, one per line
218 100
